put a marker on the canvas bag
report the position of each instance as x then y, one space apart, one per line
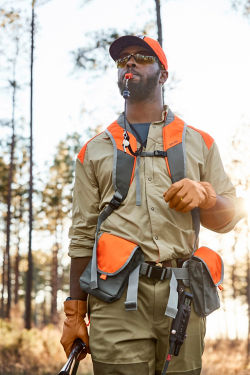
206 272
116 259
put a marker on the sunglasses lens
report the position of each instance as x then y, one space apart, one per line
120 63
141 59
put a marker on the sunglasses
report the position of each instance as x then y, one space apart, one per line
141 59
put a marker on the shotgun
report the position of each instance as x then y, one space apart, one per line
78 347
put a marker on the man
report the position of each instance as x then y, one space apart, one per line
156 215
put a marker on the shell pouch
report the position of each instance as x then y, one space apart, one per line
116 259
206 273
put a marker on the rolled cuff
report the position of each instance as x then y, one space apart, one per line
238 215
80 253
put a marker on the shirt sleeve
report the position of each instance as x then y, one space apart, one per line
215 174
85 209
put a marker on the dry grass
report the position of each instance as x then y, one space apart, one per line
38 351
225 357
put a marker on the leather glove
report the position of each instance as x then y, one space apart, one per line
74 325
187 194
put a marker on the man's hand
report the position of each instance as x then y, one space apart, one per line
74 325
187 194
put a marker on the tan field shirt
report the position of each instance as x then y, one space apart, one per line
161 232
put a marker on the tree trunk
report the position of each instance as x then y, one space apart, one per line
10 180
158 18
17 260
3 285
159 32
54 283
30 261
18 235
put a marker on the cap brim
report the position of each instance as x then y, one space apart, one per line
124 41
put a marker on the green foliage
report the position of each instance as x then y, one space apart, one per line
4 173
57 194
95 55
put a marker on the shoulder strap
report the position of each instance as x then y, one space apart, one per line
122 161
174 133
121 182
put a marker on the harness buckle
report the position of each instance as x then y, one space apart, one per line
160 153
116 200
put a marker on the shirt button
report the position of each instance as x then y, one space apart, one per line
149 179
152 208
156 237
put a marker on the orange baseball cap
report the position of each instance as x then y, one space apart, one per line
131 40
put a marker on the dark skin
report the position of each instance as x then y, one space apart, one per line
150 110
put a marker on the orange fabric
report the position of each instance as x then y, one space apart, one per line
103 276
113 252
213 262
207 138
158 50
172 133
81 154
117 131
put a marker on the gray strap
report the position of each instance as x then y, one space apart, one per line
181 273
137 180
147 153
172 306
132 292
196 224
93 278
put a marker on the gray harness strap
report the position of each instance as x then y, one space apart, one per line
121 162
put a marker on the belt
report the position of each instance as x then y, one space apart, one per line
159 271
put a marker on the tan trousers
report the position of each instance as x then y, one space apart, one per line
136 342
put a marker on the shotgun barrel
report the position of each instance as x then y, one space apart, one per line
72 363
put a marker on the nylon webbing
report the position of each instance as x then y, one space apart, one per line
196 224
172 306
132 291
137 182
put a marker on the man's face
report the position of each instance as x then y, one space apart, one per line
146 77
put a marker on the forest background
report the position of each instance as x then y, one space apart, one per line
56 82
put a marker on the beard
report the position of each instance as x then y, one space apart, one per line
142 90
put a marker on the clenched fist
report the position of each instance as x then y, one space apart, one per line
187 194
74 325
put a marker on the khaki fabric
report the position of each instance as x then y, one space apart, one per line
101 368
161 232
134 337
